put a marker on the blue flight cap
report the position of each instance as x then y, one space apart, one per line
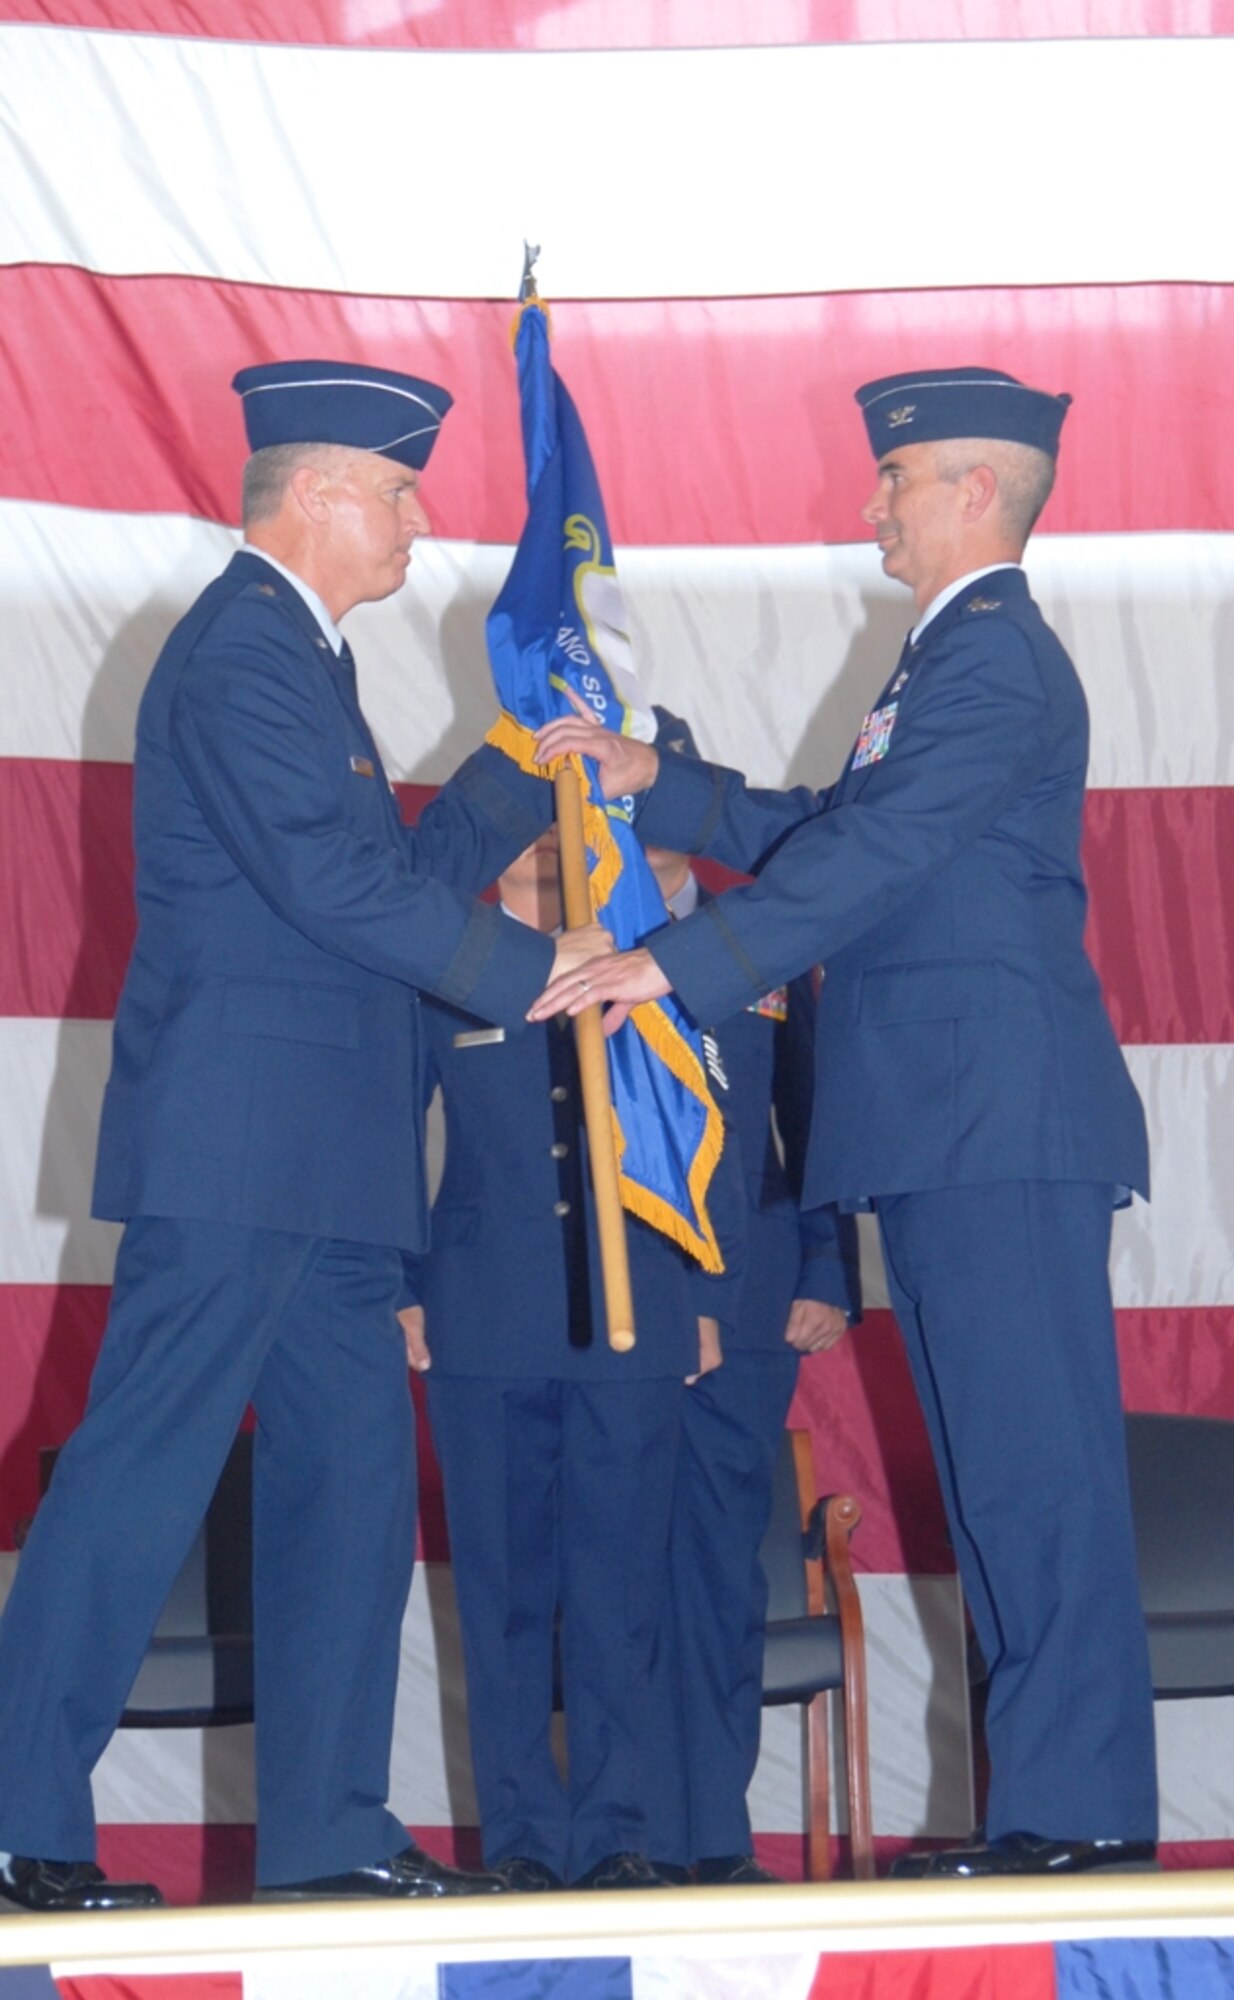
929 405
336 402
672 733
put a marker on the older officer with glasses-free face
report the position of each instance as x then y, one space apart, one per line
969 1087
261 1141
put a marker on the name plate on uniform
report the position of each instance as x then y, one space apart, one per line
479 1038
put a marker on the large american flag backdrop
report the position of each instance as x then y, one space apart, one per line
747 207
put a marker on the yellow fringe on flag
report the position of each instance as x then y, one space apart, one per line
518 743
677 1055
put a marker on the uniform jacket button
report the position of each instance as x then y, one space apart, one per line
558 1150
561 1208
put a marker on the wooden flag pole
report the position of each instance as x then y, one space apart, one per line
593 1075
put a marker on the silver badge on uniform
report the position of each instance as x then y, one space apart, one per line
715 1068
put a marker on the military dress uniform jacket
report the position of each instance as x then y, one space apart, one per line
266 1059
511 1286
758 1061
962 1036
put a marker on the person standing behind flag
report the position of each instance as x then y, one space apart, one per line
800 1290
558 1455
971 1089
261 1141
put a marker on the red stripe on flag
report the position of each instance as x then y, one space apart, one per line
963 1972
717 422
150 1985
1160 864
861 1410
214 1863
1160 867
546 24
66 887
857 1402
49 1336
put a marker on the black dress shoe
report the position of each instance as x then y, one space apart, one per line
1026 1854
523 1875
673 1874
411 1873
53 1887
621 1871
731 1871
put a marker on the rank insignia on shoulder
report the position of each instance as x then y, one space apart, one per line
267 590
363 767
984 604
875 738
478 1038
773 1006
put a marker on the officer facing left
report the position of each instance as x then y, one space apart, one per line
261 1142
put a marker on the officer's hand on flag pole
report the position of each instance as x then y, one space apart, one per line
586 944
626 979
626 765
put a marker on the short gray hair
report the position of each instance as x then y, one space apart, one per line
268 472
1024 472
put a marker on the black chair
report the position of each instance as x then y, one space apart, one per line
1182 1502
198 1670
810 1651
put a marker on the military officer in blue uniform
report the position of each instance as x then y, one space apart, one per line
558 1455
260 1140
970 1088
799 1292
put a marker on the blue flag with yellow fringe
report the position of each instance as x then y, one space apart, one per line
559 623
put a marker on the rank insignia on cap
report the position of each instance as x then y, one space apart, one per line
984 604
967 402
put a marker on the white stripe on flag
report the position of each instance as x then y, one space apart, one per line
791 644
211 158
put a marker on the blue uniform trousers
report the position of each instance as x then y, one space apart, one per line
558 1500
205 1316
732 1423
1002 1294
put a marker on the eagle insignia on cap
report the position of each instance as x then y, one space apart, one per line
983 604
904 415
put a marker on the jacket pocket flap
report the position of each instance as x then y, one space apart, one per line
328 1015
951 989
